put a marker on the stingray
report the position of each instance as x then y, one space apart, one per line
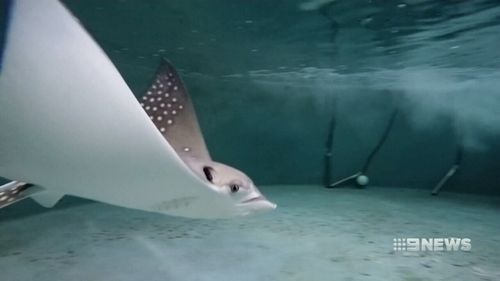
71 126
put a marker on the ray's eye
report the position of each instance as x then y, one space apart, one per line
234 188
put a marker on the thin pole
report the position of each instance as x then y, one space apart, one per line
375 150
381 142
328 153
459 154
452 171
346 179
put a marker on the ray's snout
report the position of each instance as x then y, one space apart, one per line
258 203
268 205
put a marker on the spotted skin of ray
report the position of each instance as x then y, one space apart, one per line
168 105
163 109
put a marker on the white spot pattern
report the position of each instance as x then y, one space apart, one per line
167 94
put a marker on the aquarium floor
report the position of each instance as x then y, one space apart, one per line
314 235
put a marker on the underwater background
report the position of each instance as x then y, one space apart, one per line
267 76
268 79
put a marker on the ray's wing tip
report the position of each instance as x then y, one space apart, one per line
165 64
165 61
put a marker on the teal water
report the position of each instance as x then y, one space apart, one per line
266 78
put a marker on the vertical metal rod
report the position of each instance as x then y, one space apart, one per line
372 154
381 141
328 153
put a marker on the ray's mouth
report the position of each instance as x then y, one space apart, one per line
258 203
254 199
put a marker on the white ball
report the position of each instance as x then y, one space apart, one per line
362 180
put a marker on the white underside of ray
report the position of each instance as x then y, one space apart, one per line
70 124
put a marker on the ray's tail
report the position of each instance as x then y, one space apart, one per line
15 191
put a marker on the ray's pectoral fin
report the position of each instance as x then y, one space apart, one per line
169 106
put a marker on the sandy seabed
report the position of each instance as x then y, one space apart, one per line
315 234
